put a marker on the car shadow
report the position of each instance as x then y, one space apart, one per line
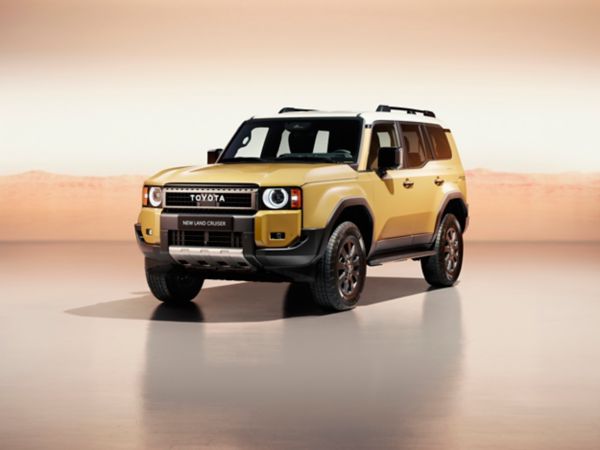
245 302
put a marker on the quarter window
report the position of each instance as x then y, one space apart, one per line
439 142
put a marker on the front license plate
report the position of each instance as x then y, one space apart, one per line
205 223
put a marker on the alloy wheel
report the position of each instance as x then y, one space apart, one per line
348 267
451 251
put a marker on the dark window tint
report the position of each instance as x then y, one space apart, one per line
384 135
439 142
296 140
413 142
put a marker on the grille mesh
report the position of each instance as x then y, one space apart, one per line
230 200
210 196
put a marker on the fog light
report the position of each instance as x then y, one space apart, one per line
149 231
277 236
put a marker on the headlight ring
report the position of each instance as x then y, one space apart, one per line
155 196
275 198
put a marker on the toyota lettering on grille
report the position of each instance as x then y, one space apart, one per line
207 199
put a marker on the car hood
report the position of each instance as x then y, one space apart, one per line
278 174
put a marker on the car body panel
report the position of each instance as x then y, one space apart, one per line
287 222
263 174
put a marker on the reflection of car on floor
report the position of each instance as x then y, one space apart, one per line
309 197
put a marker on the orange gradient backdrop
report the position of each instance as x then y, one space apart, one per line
127 87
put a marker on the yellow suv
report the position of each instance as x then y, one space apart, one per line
309 197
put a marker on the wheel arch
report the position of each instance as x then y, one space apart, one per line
454 203
357 211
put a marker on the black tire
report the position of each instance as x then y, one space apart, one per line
341 272
174 285
443 268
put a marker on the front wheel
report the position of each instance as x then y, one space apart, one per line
174 285
340 273
443 268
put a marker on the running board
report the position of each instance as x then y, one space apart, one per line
399 256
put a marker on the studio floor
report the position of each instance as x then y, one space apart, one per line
509 358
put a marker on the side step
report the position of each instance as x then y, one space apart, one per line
378 260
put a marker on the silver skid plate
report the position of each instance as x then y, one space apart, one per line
211 257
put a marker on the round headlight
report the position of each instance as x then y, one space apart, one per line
155 196
275 198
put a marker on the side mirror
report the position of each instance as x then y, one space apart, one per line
390 158
213 155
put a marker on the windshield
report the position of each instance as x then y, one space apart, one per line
334 140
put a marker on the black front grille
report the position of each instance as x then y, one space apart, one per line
200 199
205 238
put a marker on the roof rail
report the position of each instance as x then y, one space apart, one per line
386 108
292 109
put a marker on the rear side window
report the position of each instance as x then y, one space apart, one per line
413 143
439 142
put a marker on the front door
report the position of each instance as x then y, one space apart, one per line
393 203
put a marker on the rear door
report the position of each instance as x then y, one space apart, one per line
441 167
419 178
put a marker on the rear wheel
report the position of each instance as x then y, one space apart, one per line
173 285
340 273
443 268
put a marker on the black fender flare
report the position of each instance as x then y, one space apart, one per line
341 206
447 199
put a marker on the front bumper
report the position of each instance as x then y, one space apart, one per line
293 262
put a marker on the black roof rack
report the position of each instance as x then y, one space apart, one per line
386 108
292 109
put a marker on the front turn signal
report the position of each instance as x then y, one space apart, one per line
295 198
145 196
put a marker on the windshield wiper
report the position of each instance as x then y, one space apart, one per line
309 158
242 159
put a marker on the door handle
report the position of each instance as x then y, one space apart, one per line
438 181
408 184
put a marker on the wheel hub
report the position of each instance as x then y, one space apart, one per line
451 251
348 267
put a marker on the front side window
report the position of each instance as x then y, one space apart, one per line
383 135
413 143
296 140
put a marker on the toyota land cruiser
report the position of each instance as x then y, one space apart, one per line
309 197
